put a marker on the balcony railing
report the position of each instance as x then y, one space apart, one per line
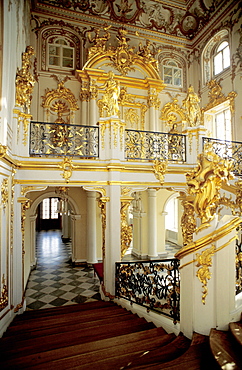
152 284
227 149
148 145
53 139
238 285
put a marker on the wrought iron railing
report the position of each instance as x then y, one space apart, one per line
227 149
238 285
54 139
148 145
152 284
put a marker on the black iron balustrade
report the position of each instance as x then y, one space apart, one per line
148 145
55 139
227 150
152 284
238 256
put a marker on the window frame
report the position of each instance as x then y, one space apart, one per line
61 54
221 52
173 67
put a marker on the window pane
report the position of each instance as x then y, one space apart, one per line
177 77
68 53
54 61
226 55
222 46
218 63
67 63
54 205
172 64
45 209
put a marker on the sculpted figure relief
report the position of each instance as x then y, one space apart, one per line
111 95
192 108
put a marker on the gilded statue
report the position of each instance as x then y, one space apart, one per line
147 54
98 41
110 97
25 81
205 182
192 108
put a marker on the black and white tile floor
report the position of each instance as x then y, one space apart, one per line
55 282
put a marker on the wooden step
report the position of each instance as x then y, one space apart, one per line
198 356
19 336
26 315
236 330
225 349
49 342
84 348
146 357
126 350
46 322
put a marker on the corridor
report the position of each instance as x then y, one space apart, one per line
55 282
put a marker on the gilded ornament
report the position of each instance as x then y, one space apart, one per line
188 221
131 116
67 168
25 81
192 108
99 41
102 205
4 294
27 189
124 97
205 182
126 229
159 169
216 96
4 192
3 150
147 54
153 99
173 115
204 261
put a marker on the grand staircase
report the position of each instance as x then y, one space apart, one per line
98 335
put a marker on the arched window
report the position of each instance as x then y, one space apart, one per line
216 56
221 59
60 53
172 74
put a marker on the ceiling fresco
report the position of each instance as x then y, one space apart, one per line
173 18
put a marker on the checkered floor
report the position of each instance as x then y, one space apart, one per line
55 282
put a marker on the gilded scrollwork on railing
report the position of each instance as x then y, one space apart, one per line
25 81
227 149
152 284
50 139
204 261
155 145
205 182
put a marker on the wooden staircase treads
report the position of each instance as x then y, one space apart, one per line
43 312
45 343
224 349
236 330
43 322
85 348
63 329
163 354
125 350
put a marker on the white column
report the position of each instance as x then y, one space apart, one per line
152 224
113 240
65 226
92 112
84 118
32 240
152 118
74 237
91 227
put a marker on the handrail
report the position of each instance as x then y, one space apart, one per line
227 149
153 284
57 139
149 145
